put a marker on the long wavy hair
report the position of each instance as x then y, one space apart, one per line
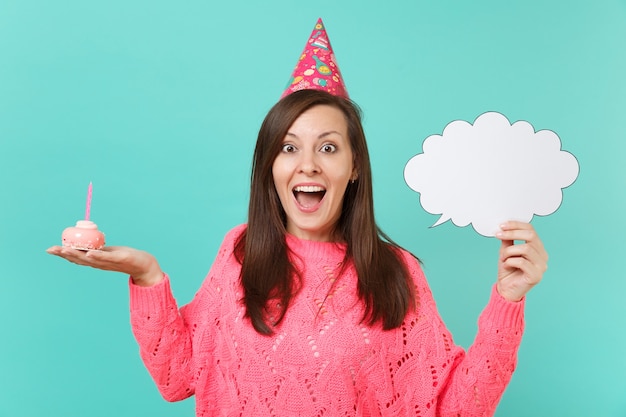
384 284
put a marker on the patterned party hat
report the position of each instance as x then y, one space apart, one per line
317 68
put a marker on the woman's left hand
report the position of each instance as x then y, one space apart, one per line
520 266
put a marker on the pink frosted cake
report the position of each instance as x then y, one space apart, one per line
84 236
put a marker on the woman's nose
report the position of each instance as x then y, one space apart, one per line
308 163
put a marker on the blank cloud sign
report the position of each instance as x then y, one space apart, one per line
491 171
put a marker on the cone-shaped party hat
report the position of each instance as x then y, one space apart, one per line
317 68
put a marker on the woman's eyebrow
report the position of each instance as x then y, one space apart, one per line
320 136
330 132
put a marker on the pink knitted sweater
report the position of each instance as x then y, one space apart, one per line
321 361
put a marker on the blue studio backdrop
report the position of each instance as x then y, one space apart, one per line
158 104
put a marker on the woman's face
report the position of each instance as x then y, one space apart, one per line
312 171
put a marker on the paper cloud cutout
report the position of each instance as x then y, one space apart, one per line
491 172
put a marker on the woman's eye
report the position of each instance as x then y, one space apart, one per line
288 148
329 148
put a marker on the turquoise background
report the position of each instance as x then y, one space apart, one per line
159 102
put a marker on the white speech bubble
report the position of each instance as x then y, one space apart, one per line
490 172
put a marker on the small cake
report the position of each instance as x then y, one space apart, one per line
84 236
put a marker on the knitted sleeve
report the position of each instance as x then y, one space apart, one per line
164 339
471 383
167 335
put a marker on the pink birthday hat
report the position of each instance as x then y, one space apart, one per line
317 67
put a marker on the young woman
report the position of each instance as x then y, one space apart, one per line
309 309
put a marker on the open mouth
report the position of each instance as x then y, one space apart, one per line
309 195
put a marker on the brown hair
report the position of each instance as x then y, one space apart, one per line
384 283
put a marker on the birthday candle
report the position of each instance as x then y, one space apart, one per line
88 208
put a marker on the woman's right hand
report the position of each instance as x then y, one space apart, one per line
141 266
